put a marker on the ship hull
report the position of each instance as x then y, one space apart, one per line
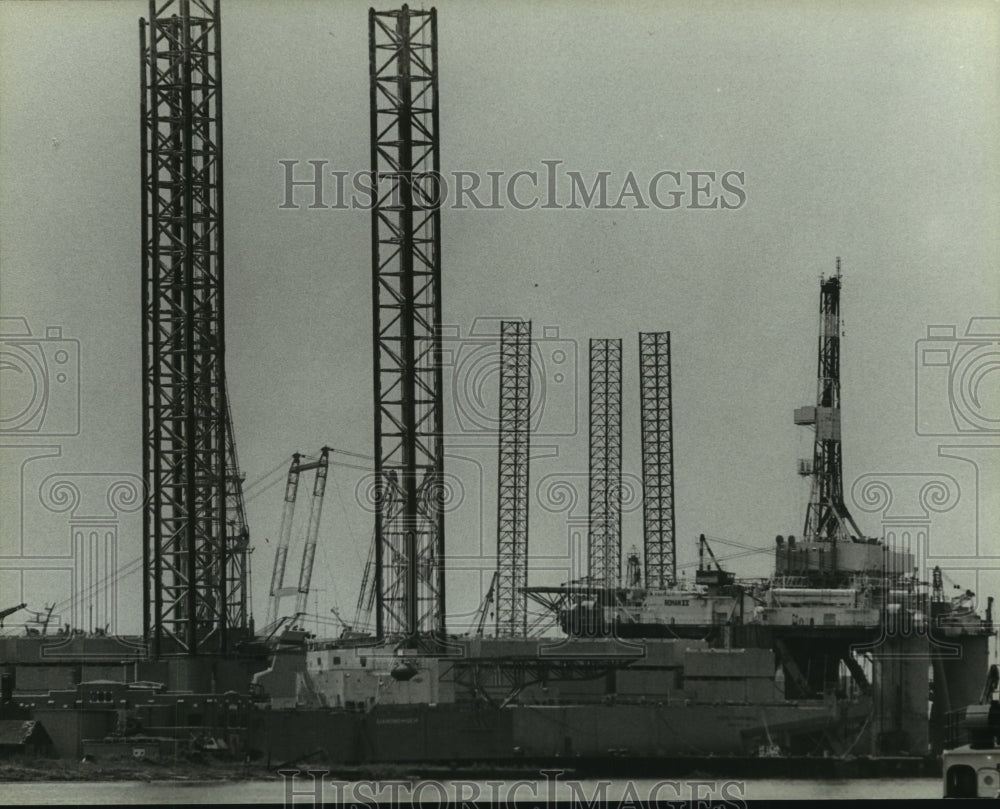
451 733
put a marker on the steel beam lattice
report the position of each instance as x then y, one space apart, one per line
185 431
312 530
406 285
604 536
277 589
512 490
827 516
657 459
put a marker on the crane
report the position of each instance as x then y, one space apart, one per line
37 619
366 596
284 535
10 611
705 574
278 590
237 567
484 608
322 467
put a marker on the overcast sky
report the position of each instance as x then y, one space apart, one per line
866 131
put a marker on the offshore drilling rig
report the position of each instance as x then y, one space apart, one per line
828 658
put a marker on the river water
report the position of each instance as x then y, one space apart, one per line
580 793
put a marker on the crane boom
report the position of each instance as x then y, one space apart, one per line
484 608
10 611
278 590
312 532
366 595
284 536
237 545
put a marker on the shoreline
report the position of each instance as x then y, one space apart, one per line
29 769
16 770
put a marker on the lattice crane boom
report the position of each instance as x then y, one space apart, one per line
322 467
278 591
237 535
284 539
366 594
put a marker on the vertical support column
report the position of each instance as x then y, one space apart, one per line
604 540
657 459
184 403
406 297
512 490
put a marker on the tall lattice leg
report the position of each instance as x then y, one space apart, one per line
406 283
657 459
604 541
512 498
184 404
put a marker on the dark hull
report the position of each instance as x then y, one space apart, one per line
451 733
591 622
577 626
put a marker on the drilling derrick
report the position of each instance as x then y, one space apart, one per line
406 292
827 517
186 435
657 459
604 538
512 497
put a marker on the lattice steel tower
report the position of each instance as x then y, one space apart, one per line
512 493
191 602
406 283
604 537
827 517
657 459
